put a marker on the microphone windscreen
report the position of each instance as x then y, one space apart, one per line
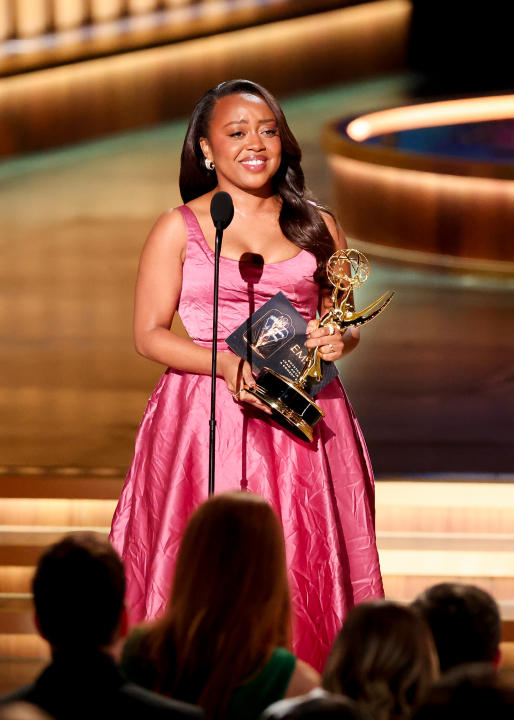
222 210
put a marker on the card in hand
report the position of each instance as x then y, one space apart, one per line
274 337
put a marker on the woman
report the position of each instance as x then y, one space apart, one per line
238 141
222 643
384 658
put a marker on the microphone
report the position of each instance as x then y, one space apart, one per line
222 210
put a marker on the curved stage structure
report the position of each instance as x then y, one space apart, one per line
431 183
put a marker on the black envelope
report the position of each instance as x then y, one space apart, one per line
274 337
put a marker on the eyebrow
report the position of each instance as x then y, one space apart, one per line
239 122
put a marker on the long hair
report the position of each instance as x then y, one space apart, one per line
300 219
229 604
384 659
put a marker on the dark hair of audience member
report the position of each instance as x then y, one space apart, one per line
229 605
465 623
474 691
383 658
79 588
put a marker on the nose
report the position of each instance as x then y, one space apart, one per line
254 140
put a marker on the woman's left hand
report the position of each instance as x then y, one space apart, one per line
328 339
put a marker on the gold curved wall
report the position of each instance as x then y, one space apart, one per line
424 207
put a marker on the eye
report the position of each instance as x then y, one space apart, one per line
271 132
236 134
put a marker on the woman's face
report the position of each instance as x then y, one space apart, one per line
243 143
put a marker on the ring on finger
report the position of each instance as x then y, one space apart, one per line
331 329
331 347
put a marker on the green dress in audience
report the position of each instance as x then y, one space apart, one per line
247 702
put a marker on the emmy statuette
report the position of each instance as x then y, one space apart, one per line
292 407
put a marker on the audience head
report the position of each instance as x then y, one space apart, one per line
475 691
383 658
465 623
229 604
79 588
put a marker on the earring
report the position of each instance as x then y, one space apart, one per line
209 164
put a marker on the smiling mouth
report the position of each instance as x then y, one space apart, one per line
254 163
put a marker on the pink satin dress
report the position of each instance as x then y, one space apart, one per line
323 492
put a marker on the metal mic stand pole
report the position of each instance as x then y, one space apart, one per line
212 421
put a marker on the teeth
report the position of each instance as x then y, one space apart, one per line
253 162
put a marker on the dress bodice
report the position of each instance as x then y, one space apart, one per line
243 287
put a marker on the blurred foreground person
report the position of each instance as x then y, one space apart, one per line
317 704
473 692
222 643
22 711
384 659
79 587
465 623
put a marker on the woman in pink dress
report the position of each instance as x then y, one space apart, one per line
279 239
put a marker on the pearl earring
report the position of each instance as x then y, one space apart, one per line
209 164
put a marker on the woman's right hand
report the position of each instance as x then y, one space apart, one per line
237 373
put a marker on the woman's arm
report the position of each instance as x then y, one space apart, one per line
332 347
303 680
158 287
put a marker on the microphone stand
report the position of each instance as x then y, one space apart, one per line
222 212
212 421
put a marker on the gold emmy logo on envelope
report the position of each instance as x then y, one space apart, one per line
269 334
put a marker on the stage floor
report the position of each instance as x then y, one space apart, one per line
431 382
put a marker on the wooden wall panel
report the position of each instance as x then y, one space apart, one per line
32 17
69 14
102 10
6 20
139 7
65 104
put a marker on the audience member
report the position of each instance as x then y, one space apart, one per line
79 587
222 643
465 623
22 711
384 659
316 704
474 692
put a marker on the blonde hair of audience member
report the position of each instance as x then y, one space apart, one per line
384 658
229 605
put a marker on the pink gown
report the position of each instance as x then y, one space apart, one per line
323 492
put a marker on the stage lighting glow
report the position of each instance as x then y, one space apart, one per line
448 112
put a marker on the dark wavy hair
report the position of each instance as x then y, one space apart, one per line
300 219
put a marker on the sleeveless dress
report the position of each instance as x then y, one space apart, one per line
323 491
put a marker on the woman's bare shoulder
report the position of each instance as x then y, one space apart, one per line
169 221
303 680
334 229
168 234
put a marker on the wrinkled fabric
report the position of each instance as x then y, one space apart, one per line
323 492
